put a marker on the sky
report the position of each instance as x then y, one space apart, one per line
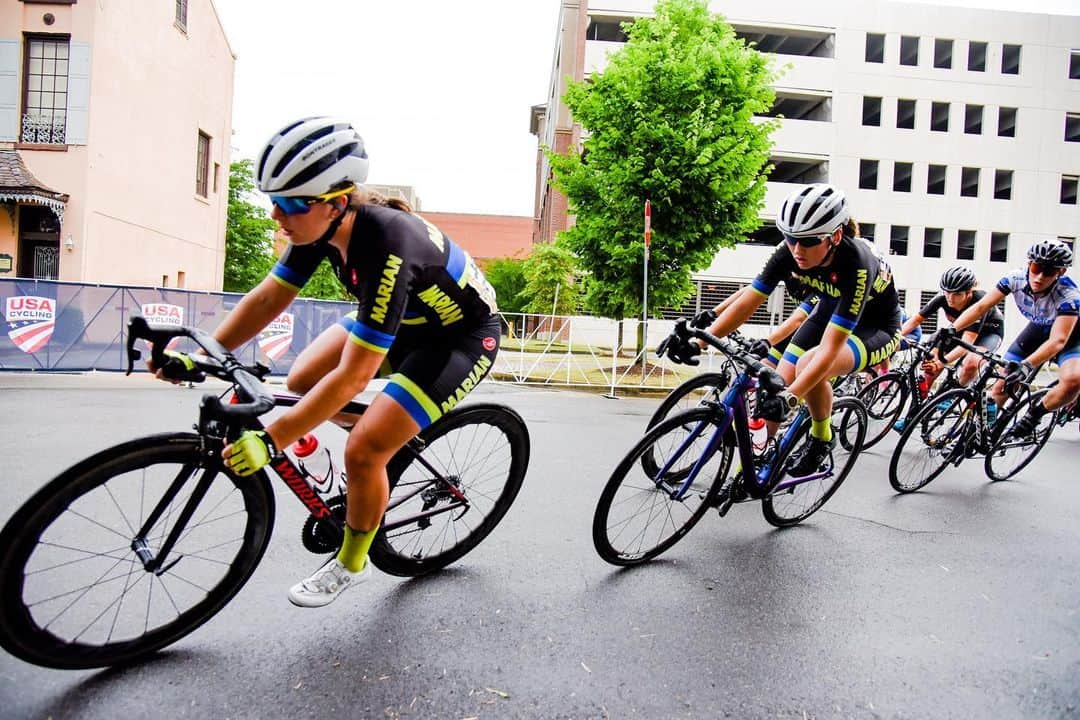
440 90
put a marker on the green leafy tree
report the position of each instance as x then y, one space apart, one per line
669 120
248 233
507 276
324 285
550 280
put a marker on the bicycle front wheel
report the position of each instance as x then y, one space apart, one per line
451 494
885 398
686 396
74 593
935 437
793 504
1010 454
638 516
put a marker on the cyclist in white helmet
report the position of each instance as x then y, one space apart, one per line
1051 303
855 324
426 317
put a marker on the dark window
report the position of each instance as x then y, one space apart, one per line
935 180
999 247
931 246
929 324
969 182
898 239
1069 184
909 50
905 114
875 47
901 181
44 114
1006 122
868 174
866 231
1010 59
871 111
943 53
605 30
798 170
181 13
977 56
939 117
202 164
973 115
1072 127
1074 65
766 234
965 245
1003 184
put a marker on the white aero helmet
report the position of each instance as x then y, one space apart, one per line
311 157
814 210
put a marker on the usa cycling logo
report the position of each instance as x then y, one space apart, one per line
30 321
277 338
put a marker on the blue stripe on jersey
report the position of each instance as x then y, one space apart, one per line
842 322
289 276
761 287
455 263
371 338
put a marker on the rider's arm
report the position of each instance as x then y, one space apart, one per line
728 301
254 312
357 367
737 313
788 327
992 297
913 322
1059 335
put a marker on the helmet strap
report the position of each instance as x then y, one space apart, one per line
333 228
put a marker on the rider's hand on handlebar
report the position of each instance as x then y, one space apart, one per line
249 453
1018 372
775 407
760 348
703 319
679 350
179 367
946 338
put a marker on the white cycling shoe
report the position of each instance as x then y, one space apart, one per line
327 583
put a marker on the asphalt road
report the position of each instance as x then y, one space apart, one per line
961 601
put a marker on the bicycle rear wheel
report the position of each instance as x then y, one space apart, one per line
885 398
75 595
935 437
794 504
636 516
1008 454
479 452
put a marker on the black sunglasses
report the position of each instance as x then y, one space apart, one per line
806 242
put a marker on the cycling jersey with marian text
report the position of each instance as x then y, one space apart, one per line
402 271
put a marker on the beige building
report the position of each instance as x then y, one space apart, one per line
115 122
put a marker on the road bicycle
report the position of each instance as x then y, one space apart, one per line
896 394
641 514
954 426
135 547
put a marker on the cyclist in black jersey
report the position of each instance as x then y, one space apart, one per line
425 318
856 322
957 294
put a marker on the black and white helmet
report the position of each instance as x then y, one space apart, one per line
957 279
311 157
815 210
1051 252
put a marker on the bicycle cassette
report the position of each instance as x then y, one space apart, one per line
321 536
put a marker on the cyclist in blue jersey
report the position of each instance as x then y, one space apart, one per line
856 322
1051 303
426 317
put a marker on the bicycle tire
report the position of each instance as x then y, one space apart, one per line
688 395
62 516
644 495
996 466
489 434
885 398
783 509
920 456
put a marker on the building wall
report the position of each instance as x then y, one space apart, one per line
1037 155
133 215
486 237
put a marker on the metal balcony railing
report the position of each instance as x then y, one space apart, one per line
43 130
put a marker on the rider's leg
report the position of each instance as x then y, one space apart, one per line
316 360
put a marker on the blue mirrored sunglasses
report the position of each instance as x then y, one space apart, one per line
807 241
292 205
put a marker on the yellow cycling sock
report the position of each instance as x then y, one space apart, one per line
353 552
821 429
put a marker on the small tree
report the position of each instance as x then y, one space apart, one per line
671 120
550 282
507 276
248 233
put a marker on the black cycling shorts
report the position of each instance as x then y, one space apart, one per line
1034 335
427 375
869 345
